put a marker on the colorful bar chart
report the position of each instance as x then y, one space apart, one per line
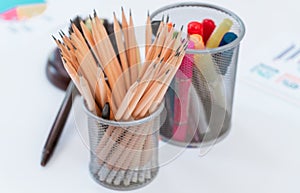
21 9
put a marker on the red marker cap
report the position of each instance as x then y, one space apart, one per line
208 28
195 27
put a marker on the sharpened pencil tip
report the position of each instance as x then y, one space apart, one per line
62 32
148 13
162 60
71 21
162 18
157 36
130 13
95 13
60 35
181 28
53 37
168 17
122 9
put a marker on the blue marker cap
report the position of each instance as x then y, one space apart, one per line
228 38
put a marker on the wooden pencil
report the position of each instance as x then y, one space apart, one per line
148 34
132 90
122 52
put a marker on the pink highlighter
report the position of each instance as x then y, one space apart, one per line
183 81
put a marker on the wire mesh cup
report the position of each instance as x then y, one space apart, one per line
200 98
124 155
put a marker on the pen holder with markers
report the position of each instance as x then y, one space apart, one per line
200 98
124 155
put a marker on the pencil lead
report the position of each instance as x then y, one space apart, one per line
62 32
181 28
157 36
167 72
64 60
60 35
95 14
174 25
148 13
68 47
176 35
177 50
71 21
130 13
59 41
154 66
114 13
122 9
90 17
162 18
53 37
162 60
158 56
167 20
185 47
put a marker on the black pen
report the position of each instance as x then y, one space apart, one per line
58 125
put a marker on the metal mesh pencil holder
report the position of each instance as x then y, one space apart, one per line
205 99
124 155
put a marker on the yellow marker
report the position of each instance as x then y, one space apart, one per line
206 66
217 36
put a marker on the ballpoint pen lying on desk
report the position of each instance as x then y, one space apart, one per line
58 125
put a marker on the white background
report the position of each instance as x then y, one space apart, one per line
261 153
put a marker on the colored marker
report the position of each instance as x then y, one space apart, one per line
198 122
208 28
216 38
224 58
183 81
195 27
228 38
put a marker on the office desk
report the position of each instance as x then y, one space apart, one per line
261 153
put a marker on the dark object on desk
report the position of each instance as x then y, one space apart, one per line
58 125
56 72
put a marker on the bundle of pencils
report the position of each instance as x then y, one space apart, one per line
132 89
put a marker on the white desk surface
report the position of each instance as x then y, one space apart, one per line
261 153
